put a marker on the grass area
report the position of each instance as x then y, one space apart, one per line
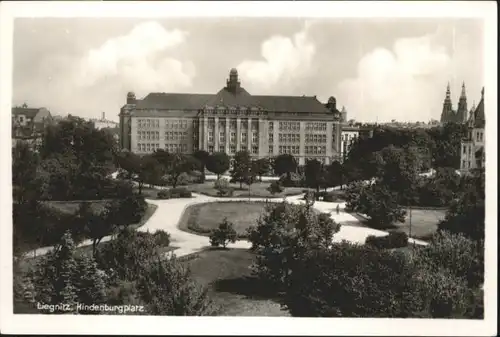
202 218
227 275
423 223
71 207
257 190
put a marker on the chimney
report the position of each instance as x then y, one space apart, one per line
103 115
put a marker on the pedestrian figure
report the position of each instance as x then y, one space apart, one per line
338 208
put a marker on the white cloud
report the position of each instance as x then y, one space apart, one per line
286 59
406 83
137 60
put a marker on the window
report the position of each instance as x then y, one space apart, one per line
222 148
255 149
232 149
233 137
255 137
271 137
222 137
211 149
271 126
243 148
243 137
271 149
210 136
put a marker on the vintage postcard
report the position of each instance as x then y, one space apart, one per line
277 168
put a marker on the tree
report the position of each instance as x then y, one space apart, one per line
335 174
241 168
62 276
202 157
350 280
24 173
466 214
315 174
446 141
224 234
218 163
285 164
376 201
166 287
261 167
283 235
180 164
96 226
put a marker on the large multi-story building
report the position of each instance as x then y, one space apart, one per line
28 125
103 123
472 154
450 115
232 120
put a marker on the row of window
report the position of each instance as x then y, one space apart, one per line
315 126
148 147
176 124
289 126
289 137
176 135
148 135
232 137
232 149
315 138
237 111
290 149
315 150
148 123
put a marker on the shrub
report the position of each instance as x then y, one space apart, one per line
178 192
223 187
275 187
330 197
223 235
296 180
393 240
163 194
161 238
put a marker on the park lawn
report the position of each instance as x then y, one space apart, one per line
202 218
71 207
227 274
257 190
423 223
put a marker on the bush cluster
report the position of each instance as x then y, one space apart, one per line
174 193
393 240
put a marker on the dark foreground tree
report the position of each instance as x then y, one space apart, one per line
223 235
218 163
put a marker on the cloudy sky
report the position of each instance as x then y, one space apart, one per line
378 69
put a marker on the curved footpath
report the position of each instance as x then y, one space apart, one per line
169 212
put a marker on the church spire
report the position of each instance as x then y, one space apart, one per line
462 94
448 92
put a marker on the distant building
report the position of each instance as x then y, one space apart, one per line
450 115
28 125
472 153
232 120
103 122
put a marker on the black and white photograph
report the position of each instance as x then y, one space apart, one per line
251 162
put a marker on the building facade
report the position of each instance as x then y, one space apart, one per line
472 153
457 116
102 123
230 121
28 125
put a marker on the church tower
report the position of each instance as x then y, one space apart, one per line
447 114
462 107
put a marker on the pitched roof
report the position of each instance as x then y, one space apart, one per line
172 101
28 112
164 101
479 118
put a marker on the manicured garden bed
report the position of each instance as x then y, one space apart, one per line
257 190
202 218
